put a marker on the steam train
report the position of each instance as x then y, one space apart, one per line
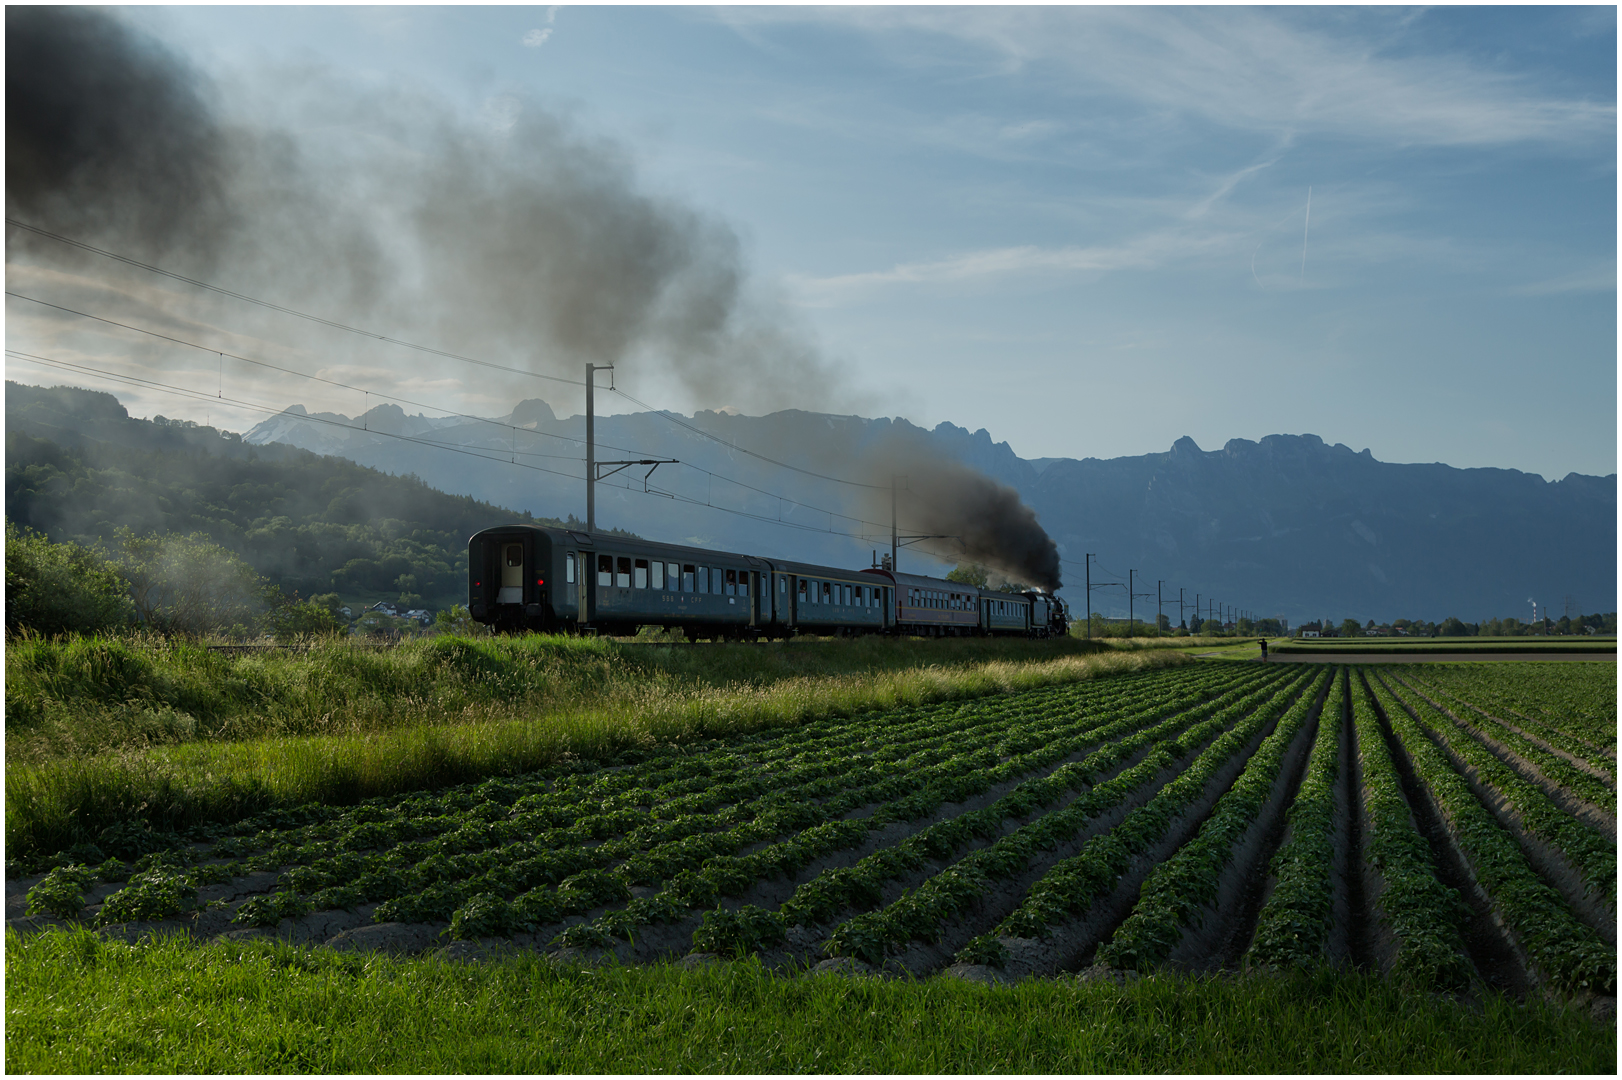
526 577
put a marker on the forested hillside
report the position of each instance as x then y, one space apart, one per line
78 467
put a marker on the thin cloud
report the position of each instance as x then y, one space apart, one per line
1598 279
1247 70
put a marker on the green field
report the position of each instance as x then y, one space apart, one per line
1448 645
863 860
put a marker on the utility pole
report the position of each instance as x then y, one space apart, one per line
894 545
1131 623
1181 617
591 446
1088 575
1158 603
1197 618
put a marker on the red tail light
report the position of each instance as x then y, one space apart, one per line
540 581
476 584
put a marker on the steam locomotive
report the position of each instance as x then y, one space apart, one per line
526 577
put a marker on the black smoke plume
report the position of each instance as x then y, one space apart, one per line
978 518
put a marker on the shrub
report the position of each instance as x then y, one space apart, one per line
61 588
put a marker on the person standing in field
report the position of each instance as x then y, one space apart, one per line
1264 650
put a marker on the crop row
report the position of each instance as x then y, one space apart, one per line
1292 929
1570 954
1555 768
853 886
1177 889
1572 706
1589 853
1071 886
1422 913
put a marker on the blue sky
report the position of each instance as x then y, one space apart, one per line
1086 230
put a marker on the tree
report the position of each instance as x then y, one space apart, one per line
969 574
1349 628
61 588
292 619
188 584
1211 628
1453 627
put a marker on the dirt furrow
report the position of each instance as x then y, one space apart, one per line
1547 860
1222 931
1492 949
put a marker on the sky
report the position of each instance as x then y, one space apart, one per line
1088 230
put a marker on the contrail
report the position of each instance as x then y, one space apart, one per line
1304 230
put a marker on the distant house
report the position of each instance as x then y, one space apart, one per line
1309 633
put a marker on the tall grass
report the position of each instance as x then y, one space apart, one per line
176 735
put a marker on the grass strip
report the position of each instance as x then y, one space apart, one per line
54 803
77 1004
1292 929
1570 954
1422 913
1177 889
1589 852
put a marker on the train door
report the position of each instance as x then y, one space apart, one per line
512 573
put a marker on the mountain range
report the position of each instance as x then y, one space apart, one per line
1285 526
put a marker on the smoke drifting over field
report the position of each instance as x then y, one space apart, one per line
517 238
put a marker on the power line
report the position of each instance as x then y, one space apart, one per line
272 306
186 392
245 298
286 370
743 450
181 391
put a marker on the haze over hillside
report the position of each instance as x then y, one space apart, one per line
1287 526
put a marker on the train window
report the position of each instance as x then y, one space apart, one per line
847 596
605 570
732 583
623 578
658 581
687 583
568 568
802 590
515 554
673 572
640 574
703 579
858 594
782 585
827 591
743 583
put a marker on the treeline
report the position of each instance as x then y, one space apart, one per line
79 468
1580 625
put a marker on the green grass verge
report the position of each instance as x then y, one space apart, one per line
472 710
75 1003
